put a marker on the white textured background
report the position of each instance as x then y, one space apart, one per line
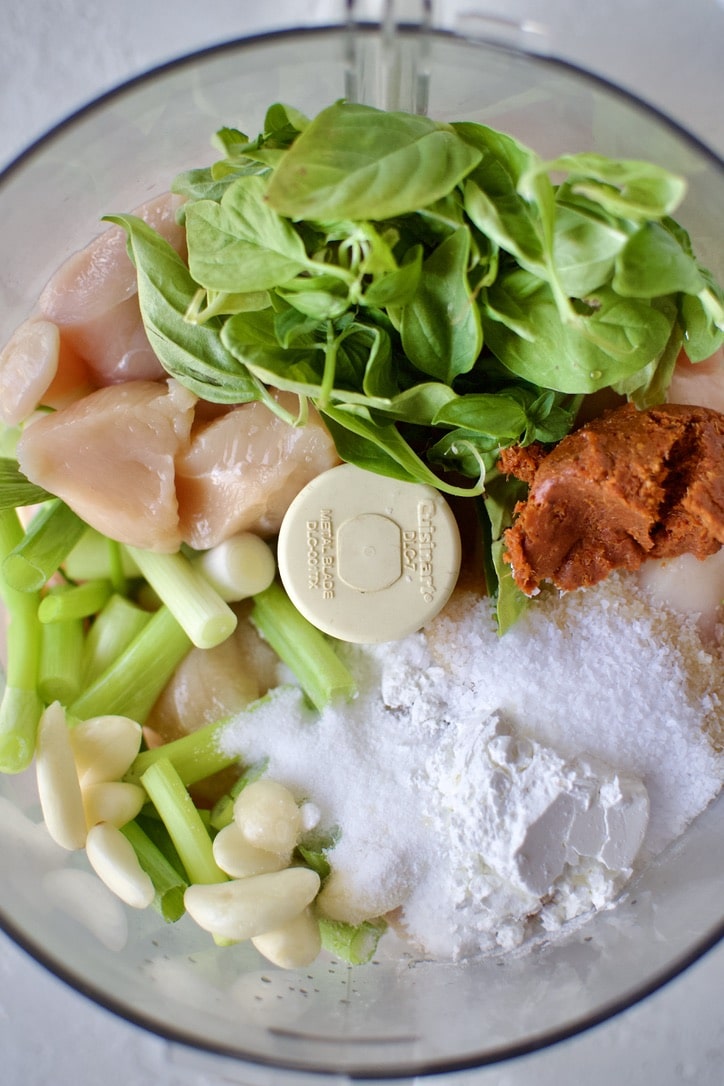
57 54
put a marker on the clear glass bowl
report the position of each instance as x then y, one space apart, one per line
392 1018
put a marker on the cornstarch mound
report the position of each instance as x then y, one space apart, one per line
488 789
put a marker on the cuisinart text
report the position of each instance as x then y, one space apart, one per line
418 547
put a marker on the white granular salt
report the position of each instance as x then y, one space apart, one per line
491 788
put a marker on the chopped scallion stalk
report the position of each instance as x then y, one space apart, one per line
131 684
222 813
20 711
21 706
61 659
81 601
117 574
198 607
16 491
239 567
168 884
186 829
194 757
51 535
353 943
94 557
113 630
302 647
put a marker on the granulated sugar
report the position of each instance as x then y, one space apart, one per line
457 741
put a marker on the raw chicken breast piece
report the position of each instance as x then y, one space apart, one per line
210 684
110 457
37 368
101 276
700 384
115 346
243 470
93 299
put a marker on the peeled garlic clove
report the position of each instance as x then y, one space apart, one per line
266 812
116 802
112 857
238 858
104 747
294 945
61 800
247 907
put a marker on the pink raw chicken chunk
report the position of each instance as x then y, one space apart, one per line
110 457
210 684
243 470
699 383
36 368
93 299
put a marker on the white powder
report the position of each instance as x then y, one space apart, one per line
463 750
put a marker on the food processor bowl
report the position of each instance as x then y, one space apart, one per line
398 1016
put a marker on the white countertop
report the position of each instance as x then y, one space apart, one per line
56 56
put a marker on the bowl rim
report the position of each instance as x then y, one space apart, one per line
365 1071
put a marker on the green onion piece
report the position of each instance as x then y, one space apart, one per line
61 658
194 757
133 682
51 535
302 647
198 607
167 882
80 601
19 716
186 829
95 557
113 629
316 859
353 943
21 706
16 490
117 573
222 813
153 827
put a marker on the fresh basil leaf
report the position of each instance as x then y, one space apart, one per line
441 328
323 297
491 414
301 369
232 142
293 327
608 343
241 244
549 420
464 451
357 162
378 446
652 263
584 251
397 287
420 404
501 497
215 303
702 322
512 201
510 602
649 385
199 185
627 188
283 123
193 353
207 184
293 369
491 197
